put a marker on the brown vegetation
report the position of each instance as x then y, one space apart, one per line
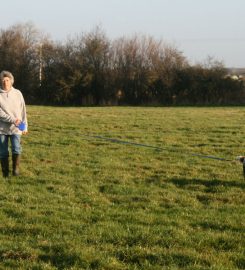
92 70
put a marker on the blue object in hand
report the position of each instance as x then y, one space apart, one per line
22 126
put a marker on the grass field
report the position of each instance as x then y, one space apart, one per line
87 203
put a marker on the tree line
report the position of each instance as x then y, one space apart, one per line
91 69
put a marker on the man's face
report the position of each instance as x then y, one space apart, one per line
6 83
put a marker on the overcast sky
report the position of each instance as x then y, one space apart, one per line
198 28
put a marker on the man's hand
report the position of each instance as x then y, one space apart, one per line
17 122
24 132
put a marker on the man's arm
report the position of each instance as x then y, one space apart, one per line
7 118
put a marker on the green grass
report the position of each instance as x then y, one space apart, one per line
84 203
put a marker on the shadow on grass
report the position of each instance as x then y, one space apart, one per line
15 255
59 258
173 260
183 182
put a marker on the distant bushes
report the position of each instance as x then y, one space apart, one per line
92 70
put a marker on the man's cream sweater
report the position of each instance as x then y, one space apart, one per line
12 107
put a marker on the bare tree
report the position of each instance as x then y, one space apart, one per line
18 53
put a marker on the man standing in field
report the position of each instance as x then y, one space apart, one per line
13 122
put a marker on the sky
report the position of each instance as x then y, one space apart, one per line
198 28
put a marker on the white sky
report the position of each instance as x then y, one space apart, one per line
199 28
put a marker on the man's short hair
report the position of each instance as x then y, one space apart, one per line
8 74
